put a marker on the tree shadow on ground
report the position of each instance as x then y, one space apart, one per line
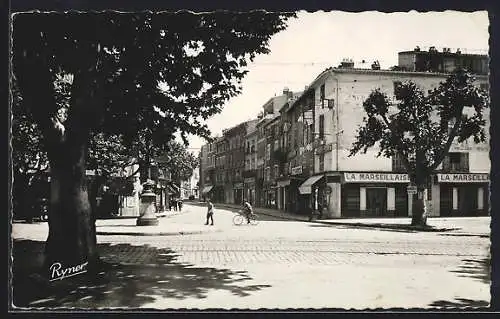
135 276
477 269
461 303
470 268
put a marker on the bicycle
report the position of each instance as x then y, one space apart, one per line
239 218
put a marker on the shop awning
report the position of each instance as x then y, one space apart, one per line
306 187
206 189
283 183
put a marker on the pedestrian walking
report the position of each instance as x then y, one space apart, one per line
210 212
179 203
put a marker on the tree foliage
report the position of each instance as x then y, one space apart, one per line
164 71
423 124
178 161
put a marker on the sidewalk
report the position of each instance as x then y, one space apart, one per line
167 226
435 224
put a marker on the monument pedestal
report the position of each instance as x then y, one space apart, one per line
148 206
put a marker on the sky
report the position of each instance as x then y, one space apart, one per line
315 41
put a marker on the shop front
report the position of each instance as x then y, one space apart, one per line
374 195
295 202
464 194
309 190
282 189
270 196
249 189
238 193
217 194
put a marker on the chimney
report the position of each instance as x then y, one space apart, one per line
376 65
346 64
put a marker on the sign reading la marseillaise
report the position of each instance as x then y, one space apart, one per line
376 178
463 178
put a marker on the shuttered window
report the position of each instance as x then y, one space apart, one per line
321 126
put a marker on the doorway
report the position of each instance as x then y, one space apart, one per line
376 201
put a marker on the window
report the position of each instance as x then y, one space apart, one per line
322 162
322 92
456 162
397 163
268 174
321 126
268 152
276 171
276 144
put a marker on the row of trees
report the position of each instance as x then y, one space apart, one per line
107 156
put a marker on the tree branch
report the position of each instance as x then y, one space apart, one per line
446 148
406 162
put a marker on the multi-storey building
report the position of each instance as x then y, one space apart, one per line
297 121
189 187
268 163
235 138
250 172
366 185
207 170
445 61
221 176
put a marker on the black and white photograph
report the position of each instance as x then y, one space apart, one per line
244 160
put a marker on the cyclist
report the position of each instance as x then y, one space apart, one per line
247 209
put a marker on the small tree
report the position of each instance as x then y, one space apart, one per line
421 128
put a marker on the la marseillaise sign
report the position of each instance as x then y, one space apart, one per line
376 178
463 178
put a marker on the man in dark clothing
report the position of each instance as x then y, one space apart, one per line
247 208
210 212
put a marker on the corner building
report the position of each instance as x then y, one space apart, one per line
365 185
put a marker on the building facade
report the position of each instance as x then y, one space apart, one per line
250 172
235 156
371 186
190 187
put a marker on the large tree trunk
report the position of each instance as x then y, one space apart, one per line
21 196
72 235
419 217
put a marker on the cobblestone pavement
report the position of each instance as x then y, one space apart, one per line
288 264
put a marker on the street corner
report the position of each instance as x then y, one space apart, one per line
165 227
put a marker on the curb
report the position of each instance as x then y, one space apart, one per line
358 225
172 233
398 227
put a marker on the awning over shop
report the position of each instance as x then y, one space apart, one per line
306 187
283 183
206 189
170 189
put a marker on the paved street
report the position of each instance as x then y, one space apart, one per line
284 264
